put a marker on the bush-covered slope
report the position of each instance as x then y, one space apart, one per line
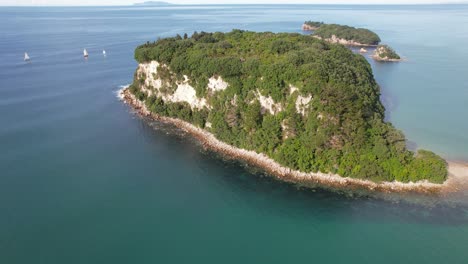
359 35
337 126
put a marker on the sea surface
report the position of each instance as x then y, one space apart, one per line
84 180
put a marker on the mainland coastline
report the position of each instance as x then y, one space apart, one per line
458 171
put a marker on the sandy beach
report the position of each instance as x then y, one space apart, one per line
458 172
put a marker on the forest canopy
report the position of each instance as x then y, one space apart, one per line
313 24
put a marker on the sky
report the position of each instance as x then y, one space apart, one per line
129 2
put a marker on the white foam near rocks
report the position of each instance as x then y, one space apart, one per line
120 93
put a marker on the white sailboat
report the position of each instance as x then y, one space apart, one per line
85 53
26 57
104 53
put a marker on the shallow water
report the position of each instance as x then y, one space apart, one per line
83 180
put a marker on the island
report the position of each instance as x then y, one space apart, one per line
385 53
342 34
301 108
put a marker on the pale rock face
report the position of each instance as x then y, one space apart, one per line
292 89
302 103
306 27
148 69
217 84
186 93
234 100
268 104
335 39
284 128
379 51
183 93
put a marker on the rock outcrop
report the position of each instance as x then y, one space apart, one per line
385 53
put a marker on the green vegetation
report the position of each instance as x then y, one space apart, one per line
360 35
313 24
385 52
342 130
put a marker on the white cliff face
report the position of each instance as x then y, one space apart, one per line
183 93
335 39
302 103
148 69
268 104
217 84
186 93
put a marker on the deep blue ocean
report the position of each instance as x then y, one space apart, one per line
85 180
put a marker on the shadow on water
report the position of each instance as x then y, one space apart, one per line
307 200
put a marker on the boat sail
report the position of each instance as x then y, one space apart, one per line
85 53
26 57
104 53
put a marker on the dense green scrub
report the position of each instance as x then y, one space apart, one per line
360 35
313 24
342 130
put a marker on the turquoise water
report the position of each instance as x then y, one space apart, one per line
83 180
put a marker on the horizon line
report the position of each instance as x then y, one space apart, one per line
195 4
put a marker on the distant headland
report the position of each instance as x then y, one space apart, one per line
351 36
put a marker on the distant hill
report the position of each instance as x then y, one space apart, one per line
153 3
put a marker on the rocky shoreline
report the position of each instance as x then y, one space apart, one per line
385 53
385 59
269 165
